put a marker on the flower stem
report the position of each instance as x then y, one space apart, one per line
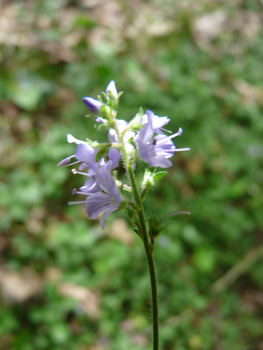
149 256
148 246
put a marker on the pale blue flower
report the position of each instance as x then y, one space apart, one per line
114 156
156 150
107 199
113 137
85 154
91 184
157 122
112 134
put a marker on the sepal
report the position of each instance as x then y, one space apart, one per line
132 216
159 175
138 233
156 226
135 123
105 111
148 179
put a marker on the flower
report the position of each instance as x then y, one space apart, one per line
157 122
156 150
112 134
114 156
91 184
84 153
92 104
113 138
102 192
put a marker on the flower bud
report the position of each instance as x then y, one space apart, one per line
92 104
112 88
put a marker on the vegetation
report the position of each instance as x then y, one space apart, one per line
66 283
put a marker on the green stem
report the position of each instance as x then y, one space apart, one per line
149 256
147 246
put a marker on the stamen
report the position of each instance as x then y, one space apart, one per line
179 133
78 161
85 193
65 161
182 149
75 171
166 130
83 166
78 202
74 191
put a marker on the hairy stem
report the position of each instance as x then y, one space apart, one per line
150 261
144 235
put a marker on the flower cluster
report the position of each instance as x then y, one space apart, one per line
144 137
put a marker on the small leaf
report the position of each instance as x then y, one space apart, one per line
163 225
153 220
137 232
103 98
119 94
159 175
154 230
101 153
129 212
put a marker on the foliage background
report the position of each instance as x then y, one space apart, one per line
65 283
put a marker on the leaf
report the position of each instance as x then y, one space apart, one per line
137 232
28 89
153 220
156 230
101 153
159 175
163 225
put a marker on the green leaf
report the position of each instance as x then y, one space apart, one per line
159 175
101 153
28 89
164 224
153 220
84 21
137 232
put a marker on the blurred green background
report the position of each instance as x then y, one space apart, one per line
67 284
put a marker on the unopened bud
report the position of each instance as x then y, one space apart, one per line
92 104
112 88
64 161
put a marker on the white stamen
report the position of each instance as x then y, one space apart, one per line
179 133
78 202
166 130
74 191
78 161
85 193
182 149
75 171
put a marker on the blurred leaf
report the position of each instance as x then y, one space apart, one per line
28 89
204 259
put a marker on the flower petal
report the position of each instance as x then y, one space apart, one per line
85 153
96 203
114 156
